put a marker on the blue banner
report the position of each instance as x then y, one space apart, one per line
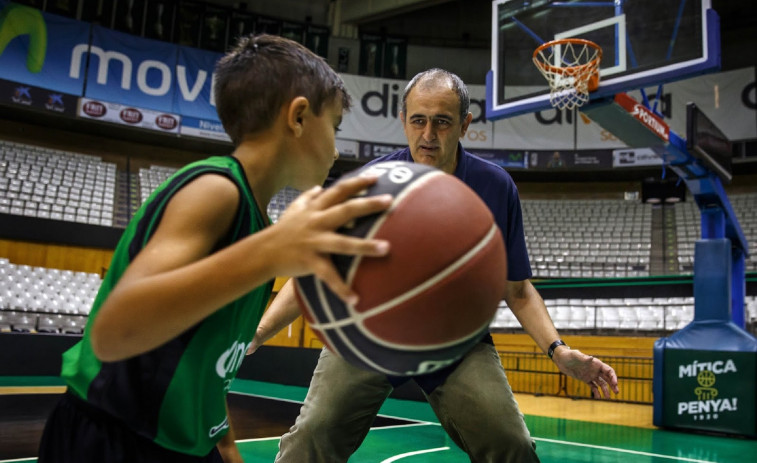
36 48
194 80
129 69
509 159
201 128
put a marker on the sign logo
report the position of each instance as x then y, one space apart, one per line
55 103
131 116
644 115
707 407
166 122
94 109
396 171
22 95
17 20
428 366
706 380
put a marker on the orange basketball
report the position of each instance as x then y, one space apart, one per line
433 296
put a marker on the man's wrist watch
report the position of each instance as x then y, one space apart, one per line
554 345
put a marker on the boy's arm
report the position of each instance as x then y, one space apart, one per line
227 446
282 311
178 279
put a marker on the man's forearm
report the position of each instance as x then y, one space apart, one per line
282 311
528 307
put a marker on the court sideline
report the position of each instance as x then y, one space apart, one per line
407 431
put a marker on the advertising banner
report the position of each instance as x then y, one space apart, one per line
710 390
193 95
508 159
203 128
369 151
129 115
570 159
47 51
131 69
729 99
24 95
39 47
348 149
635 157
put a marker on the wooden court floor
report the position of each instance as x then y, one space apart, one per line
565 430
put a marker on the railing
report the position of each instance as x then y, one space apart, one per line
535 373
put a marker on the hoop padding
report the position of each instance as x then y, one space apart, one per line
571 67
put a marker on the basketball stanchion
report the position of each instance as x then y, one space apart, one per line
571 67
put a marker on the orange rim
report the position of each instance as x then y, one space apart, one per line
569 70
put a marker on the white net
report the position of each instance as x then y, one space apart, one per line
571 67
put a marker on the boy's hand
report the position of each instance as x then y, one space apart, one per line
309 225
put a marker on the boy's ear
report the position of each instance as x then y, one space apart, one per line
298 108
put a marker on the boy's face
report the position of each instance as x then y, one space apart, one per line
321 142
433 126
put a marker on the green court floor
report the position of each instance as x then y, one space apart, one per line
558 440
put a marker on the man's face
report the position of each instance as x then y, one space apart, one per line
432 125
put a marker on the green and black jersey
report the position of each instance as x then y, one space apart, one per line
175 394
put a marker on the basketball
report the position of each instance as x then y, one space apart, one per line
432 297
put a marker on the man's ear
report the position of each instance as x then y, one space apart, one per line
465 125
402 117
298 109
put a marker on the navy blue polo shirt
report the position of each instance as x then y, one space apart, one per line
495 186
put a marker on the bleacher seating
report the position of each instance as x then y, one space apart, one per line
150 178
629 315
745 207
688 229
687 221
588 238
37 299
653 315
565 239
53 184
280 201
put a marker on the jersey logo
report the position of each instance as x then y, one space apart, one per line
219 427
230 361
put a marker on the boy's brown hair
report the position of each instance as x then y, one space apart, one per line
261 74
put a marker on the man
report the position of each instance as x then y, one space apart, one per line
472 398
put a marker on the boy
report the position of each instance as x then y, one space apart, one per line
193 272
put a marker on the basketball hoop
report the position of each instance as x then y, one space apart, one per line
571 67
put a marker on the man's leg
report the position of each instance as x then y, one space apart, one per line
339 409
476 407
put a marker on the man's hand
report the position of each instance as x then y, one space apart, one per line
592 371
254 345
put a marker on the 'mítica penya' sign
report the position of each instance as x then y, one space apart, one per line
710 390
